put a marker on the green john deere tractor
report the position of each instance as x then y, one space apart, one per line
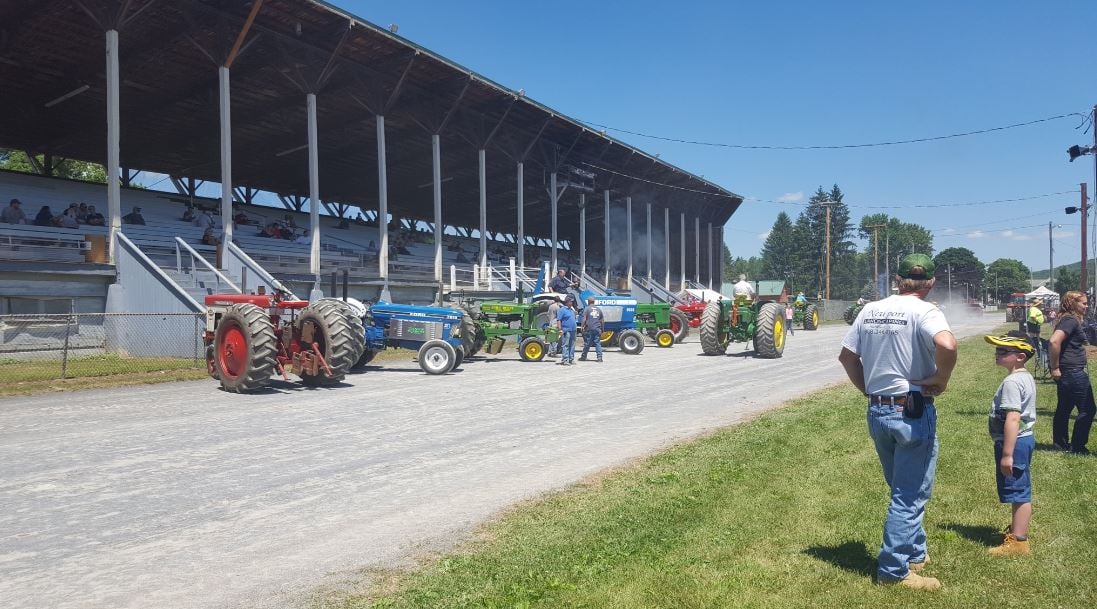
726 321
806 315
527 323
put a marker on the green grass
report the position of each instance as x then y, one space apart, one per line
35 376
785 511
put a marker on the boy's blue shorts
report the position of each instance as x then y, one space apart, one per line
1018 487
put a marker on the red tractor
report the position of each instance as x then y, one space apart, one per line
251 337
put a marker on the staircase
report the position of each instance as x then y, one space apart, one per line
199 283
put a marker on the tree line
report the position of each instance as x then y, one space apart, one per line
796 252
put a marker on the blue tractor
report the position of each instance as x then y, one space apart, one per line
443 337
619 322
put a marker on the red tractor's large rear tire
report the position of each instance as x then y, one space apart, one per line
244 349
340 342
679 325
714 341
769 331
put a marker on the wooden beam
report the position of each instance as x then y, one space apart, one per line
243 33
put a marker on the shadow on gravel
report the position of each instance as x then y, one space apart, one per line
850 556
281 386
981 534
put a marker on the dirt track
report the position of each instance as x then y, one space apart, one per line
181 496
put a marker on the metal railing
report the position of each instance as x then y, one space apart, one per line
49 347
237 256
181 245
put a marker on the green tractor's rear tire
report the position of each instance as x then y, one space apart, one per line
532 349
811 317
542 321
244 348
341 341
664 339
437 357
631 342
471 336
714 341
769 331
679 325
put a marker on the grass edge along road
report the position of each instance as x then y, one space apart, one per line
784 511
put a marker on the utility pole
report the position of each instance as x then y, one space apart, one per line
887 262
876 257
1050 260
828 250
1085 252
949 267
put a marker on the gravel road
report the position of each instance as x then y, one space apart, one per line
180 495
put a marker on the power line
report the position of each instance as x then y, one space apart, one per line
838 146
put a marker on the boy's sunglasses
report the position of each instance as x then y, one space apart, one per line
1004 351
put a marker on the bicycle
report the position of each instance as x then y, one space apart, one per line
1041 369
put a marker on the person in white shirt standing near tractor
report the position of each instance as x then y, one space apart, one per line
900 353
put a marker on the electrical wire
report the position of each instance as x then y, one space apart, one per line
837 146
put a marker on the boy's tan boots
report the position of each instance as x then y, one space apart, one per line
917 582
1011 546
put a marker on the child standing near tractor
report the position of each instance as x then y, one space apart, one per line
1012 415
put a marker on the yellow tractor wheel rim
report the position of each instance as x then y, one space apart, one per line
778 333
605 336
665 340
533 350
815 318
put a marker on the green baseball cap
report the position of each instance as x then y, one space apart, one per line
913 261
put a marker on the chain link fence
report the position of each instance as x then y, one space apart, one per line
49 347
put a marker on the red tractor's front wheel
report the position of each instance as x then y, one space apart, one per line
244 349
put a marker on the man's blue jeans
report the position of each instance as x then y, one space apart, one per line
908 455
567 339
592 337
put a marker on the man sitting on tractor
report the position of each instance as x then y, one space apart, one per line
560 283
743 291
801 300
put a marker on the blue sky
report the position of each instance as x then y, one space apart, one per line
813 73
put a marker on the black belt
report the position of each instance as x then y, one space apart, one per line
893 400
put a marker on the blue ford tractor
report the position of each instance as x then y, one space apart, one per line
443 337
619 318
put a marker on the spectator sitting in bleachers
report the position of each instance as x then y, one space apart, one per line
82 213
94 218
134 217
44 217
239 217
188 213
203 219
343 223
13 213
209 238
67 219
302 239
273 230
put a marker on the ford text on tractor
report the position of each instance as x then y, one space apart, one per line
443 337
251 337
727 321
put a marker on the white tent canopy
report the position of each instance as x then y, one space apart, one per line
1043 292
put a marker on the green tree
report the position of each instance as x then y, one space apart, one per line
1005 276
779 251
960 267
1067 280
17 160
811 252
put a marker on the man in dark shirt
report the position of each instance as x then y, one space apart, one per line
559 283
592 329
134 217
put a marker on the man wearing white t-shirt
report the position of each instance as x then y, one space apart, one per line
900 353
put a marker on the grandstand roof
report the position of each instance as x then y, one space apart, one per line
52 67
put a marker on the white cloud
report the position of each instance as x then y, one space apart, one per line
1023 238
1065 233
1007 233
791 197
948 231
764 236
977 234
